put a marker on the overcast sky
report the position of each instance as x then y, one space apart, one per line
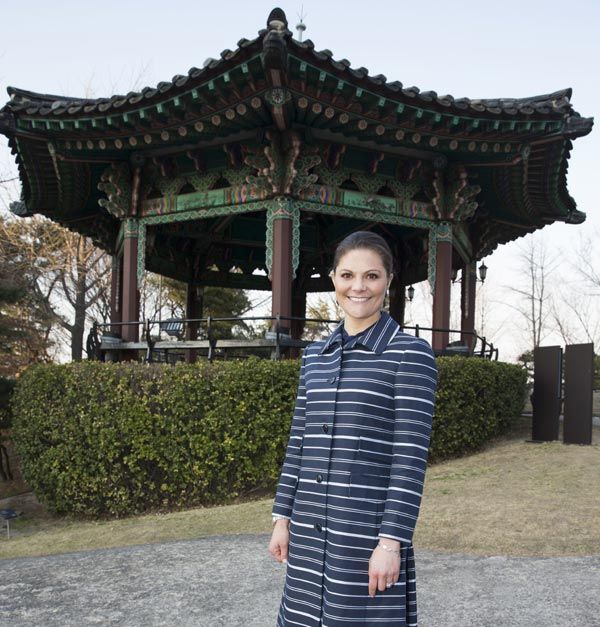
464 48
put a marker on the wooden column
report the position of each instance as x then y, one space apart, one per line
116 280
298 309
441 293
281 267
467 301
130 287
193 309
397 300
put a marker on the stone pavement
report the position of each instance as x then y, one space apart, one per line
232 581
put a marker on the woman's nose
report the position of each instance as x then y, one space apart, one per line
358 284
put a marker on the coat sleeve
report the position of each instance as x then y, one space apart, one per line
286 488
414 401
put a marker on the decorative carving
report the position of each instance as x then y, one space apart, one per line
329 176
130 228
236 154
369 183
283 209
197 156
277 96
404 191
332 155
374 161
314 204
454 197
283 165
167 165
438 232
115 182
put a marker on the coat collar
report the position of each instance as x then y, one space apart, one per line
375 339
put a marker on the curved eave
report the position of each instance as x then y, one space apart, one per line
293 60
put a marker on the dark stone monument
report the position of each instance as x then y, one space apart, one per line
579 382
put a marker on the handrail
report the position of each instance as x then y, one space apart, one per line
487 349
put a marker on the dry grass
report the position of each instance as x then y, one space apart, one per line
513 498
45 535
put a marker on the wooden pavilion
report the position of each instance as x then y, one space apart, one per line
265 158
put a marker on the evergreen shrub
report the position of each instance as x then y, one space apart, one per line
477 400
122 438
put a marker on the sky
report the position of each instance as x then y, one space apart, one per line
464 48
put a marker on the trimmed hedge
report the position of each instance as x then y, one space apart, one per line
117 439
476 400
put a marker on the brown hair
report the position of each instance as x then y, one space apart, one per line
368 240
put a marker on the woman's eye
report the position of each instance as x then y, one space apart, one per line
374 277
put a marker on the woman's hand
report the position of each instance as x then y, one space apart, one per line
280 539
384 567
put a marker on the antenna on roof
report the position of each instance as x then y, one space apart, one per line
301 26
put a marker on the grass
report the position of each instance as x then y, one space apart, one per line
515 498
512 498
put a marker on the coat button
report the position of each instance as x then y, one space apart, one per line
319 478
325 429
318 527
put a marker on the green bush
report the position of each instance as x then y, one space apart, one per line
476 400
117 439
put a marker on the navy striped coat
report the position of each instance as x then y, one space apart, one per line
353 472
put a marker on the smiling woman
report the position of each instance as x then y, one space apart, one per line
362 279
350 488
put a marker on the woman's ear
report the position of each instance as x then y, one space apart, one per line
390 280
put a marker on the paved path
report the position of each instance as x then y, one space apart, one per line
232 581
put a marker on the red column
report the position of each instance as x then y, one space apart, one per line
115 294
281 270
130 287
441 294
397 300
467 293
298 310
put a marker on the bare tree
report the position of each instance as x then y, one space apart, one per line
578 319
325 308
24 328
585 263
68 272
534 302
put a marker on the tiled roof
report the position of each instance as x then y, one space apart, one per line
32 103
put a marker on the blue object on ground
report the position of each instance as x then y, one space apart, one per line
7 515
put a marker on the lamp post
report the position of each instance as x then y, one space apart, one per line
482 274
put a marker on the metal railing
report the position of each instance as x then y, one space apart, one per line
277 338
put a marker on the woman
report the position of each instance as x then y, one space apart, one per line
350 488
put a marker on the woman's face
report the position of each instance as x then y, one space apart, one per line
360 281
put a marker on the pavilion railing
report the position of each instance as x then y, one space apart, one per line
104 342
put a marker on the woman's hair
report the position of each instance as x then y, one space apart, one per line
368 240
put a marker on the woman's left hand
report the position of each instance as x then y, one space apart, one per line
384 567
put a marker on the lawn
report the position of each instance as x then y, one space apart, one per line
512 498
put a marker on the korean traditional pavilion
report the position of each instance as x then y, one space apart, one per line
267 157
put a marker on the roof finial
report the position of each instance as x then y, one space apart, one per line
301 26
277 20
